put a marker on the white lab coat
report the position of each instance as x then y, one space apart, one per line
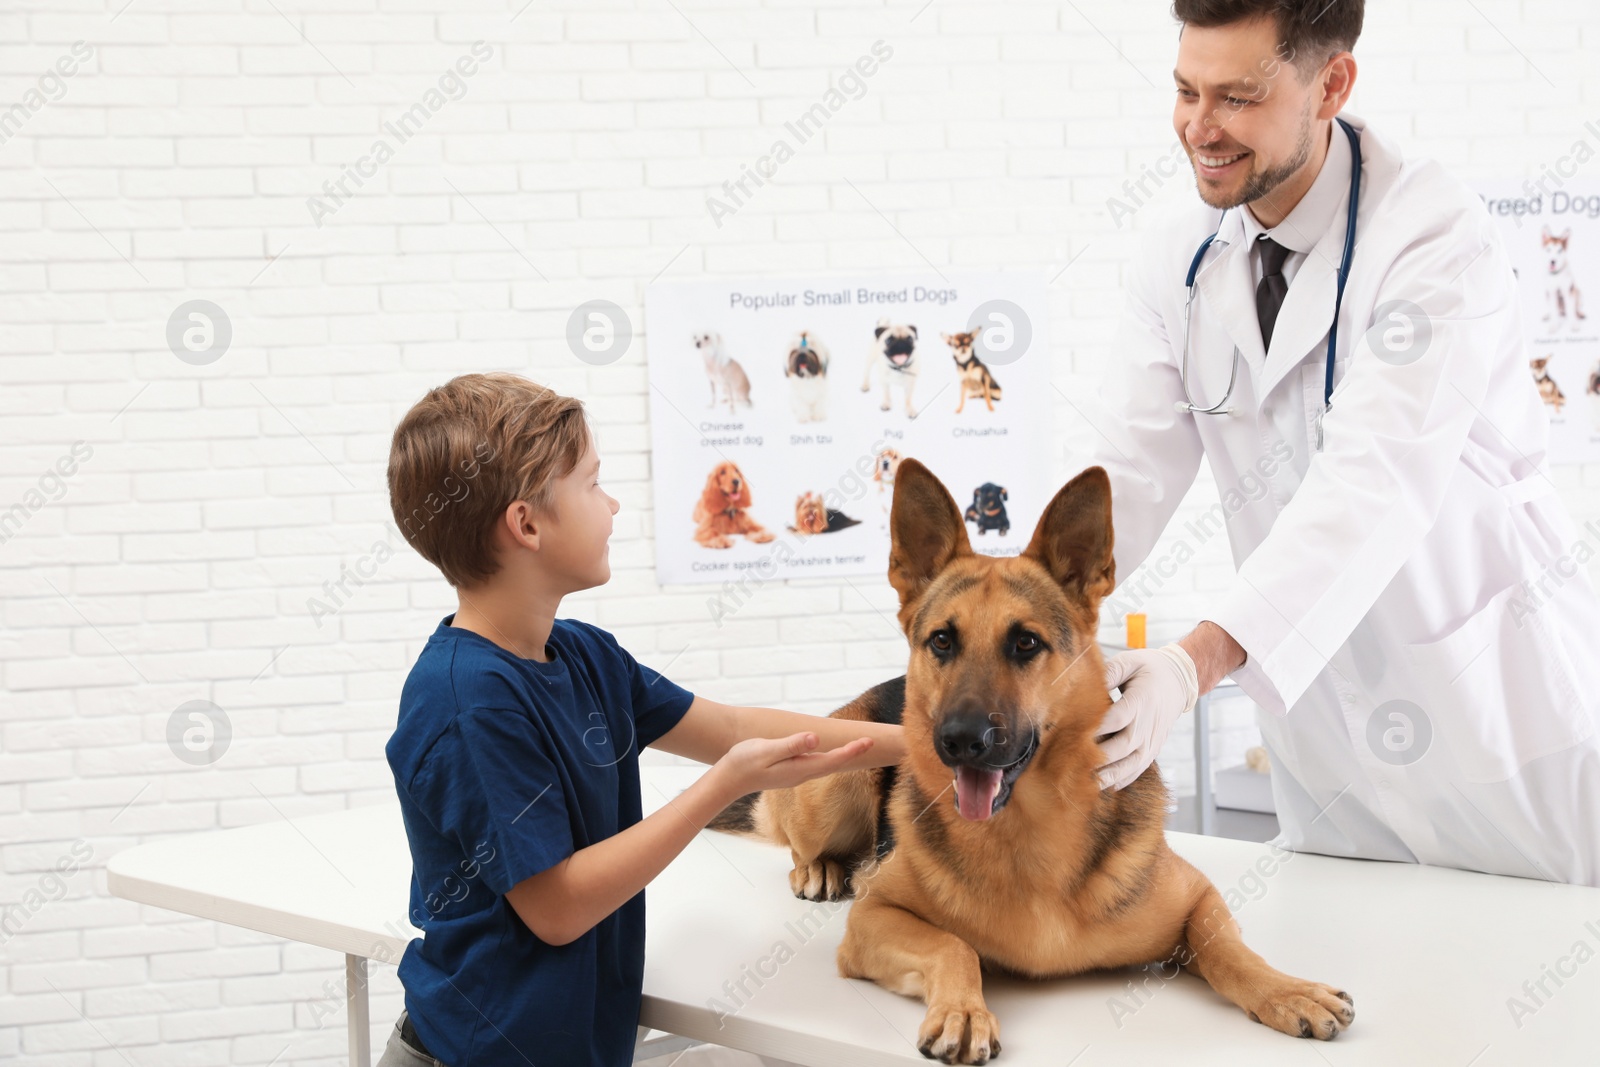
1418 557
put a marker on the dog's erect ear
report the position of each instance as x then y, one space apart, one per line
1003 494
949 339
1073 538
926 532
913 330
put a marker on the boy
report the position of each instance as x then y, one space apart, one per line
516 752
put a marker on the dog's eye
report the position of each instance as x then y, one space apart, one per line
940 641
1027 643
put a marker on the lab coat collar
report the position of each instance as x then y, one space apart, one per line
1229 288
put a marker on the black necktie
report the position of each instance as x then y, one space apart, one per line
1272 287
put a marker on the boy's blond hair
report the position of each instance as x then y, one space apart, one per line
465 452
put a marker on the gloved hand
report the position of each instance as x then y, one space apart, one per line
1158 685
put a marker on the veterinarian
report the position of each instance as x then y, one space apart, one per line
1410 611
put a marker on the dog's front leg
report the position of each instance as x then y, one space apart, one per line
1294 1006
907 955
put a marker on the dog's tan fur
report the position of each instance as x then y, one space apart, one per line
1064 877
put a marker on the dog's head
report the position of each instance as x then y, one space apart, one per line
989 498
1555 249
807 357
707 344
898 343
809 514
960 346
726 487
1594 382
884 464
1538 365
1004 666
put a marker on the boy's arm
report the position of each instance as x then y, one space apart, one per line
708 729
563 902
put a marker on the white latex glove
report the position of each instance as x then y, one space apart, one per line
1158 685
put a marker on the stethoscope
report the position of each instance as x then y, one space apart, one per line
1221 407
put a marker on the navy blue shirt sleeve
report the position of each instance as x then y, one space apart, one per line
658 702
493 782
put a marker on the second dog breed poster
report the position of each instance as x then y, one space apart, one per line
780 408
1552 233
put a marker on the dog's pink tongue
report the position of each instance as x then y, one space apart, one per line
975 792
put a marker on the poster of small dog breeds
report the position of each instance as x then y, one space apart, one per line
780 410
1552 237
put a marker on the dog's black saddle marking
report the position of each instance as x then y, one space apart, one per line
887 704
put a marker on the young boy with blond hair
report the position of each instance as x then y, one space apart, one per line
516 751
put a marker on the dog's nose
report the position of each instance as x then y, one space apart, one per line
967 736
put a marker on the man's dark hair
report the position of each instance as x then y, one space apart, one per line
1309 31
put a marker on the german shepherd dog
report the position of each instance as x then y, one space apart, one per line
1032 870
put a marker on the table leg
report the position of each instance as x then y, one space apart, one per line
355 997
1205 817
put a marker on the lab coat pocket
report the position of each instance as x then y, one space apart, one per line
1313 380
1497 689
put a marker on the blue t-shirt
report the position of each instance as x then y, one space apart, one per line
505 766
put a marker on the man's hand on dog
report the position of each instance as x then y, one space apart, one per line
758 763
1158 685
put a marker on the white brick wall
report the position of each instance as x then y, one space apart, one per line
176 562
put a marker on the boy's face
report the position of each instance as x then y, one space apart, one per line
575 539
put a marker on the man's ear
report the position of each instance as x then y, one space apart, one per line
926 532
1073 539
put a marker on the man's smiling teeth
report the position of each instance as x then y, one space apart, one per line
1219 161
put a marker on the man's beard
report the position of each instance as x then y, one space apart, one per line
1259 185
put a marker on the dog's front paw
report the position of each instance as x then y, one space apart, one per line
953 1033
1304 1009
821 879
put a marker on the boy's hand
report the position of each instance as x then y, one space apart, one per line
779 763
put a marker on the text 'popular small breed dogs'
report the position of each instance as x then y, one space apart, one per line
1029 868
